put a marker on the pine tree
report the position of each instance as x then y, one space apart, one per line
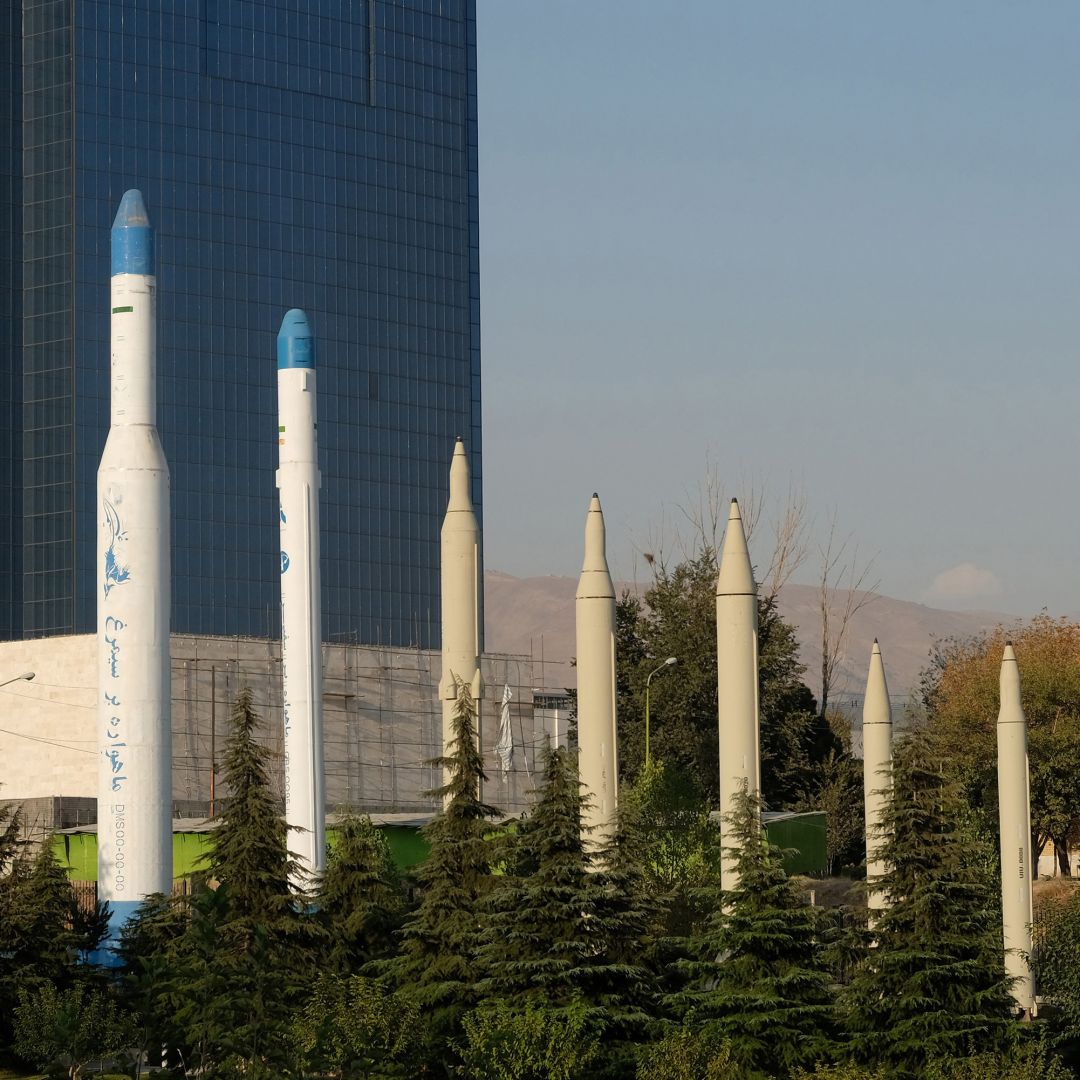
240 968
361 899
249 857
42 930
10 827
568 931
436 965
756 979
540 937
934 985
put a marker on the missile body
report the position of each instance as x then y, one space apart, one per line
133 579
877 774
298 482
736 680
595 617
460 544
1014 810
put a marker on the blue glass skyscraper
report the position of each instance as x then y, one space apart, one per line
320 155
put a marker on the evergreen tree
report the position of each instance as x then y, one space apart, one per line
934 985
10 827
42 930
240 968
361 898
756 977
148 946
249 857
630 919
540 938
569 931
436 965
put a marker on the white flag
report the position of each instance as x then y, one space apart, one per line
504 748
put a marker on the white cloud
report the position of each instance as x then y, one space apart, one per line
963 581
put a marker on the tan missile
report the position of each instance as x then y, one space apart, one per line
460 543
1014 820
595 610
736 679
877 774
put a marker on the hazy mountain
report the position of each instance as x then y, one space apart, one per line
535 616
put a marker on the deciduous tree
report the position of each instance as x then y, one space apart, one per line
960 691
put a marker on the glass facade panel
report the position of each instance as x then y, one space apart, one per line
320 156
10 323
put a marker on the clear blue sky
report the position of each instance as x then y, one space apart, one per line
835 243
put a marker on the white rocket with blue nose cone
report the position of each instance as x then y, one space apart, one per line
298 482
133 579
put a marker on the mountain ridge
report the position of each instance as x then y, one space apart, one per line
534 616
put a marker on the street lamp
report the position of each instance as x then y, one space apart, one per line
26 675
666 664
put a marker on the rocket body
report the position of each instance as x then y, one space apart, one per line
877 774
133 582
298 482
595 619
460 554
736 681
1014 809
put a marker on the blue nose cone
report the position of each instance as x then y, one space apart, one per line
295 342
132 237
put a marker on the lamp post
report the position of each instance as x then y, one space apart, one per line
666 664
26 676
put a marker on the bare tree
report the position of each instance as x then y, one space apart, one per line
790 541
845 589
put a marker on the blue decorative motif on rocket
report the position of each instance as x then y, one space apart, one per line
284 561
115 573
133 577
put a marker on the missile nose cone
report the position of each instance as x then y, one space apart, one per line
132 236
295 342
595 578
132 212
876 708
736 576
595 538
460 498
1009 683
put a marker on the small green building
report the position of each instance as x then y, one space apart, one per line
802 835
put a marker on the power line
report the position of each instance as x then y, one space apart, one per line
51 742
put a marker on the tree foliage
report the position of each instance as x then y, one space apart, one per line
677 617
557 932
436 965
934 984
756 975
234 969
689 1052
353 1027
361 897
70 1027
1057 963
529 1043
960 692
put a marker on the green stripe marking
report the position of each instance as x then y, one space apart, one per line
282 428
118 310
